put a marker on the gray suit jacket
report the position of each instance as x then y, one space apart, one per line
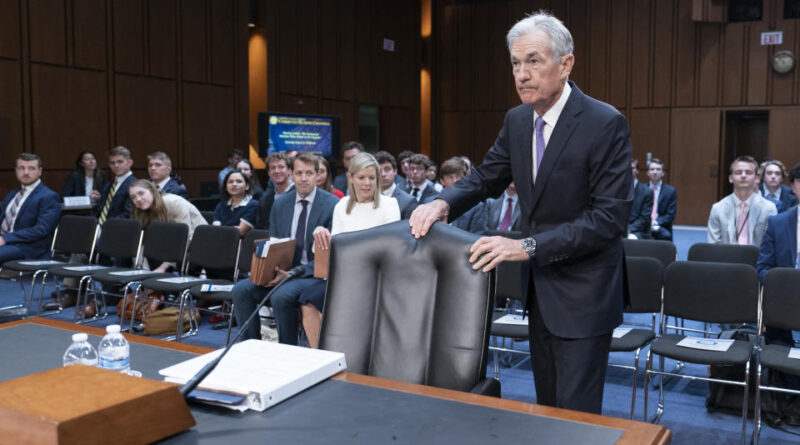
406 202
494 208
722 220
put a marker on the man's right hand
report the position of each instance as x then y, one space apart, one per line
425 215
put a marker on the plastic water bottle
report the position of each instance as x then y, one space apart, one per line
80 351
114 351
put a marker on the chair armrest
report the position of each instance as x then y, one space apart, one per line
488 387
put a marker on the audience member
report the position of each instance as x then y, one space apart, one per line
364 208
402 162
639 221
349 150
474 219
665 202
417 185
431 173
280 183
246 167
772 173
234 156
86 179
389 187
159 167
503 213
237 206
291 217
114 200
30 213
325 178
741 217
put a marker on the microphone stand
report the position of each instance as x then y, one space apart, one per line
192 383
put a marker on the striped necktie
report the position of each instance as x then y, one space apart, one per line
11 212
107 204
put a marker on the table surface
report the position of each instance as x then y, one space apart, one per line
353 404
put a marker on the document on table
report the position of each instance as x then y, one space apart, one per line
516 319
180 280
620 332
267 373
707 344
794 352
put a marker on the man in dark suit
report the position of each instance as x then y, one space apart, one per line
114 200
30 213
474 219
349 150
390 187
294 215
503 213
159 167
639 221
417 184
773 172
569 156
665 202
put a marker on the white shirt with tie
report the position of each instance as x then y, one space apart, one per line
550 119
26 191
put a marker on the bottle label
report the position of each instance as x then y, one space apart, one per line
115 364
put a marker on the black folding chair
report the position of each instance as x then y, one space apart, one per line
780 310
724 253
713 292
75 235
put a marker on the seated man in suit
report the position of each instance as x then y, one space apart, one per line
474 219
349 150
30 213
114 199
280 182
503 213
294 215
665 202
772 173
389 185
159 167
639 221
417 184
741 217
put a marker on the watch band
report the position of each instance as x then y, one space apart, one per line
529 244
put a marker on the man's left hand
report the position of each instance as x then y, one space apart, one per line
489 251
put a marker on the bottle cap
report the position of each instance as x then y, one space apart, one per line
112 328
79 337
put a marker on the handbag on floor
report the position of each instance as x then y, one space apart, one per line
165 321
144 307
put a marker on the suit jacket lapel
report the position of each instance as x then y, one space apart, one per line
28 201
792 236
731 226
524 132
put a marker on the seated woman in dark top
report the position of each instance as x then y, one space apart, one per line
237 206
255 185
86 179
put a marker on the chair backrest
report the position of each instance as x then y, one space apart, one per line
713 292
166 241
120 238
724 253
205 204
248 244
508 278
75 234
208 215
215 248
645 276
408 309
780 298
661 250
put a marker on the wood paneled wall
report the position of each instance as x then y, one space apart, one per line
168 75
648 58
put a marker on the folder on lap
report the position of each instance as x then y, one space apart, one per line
320 262
267 254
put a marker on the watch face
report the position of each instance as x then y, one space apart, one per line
783 62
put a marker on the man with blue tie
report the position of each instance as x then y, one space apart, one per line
114 200
294 215
772 173
30 213
665 201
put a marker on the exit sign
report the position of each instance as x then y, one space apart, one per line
772 38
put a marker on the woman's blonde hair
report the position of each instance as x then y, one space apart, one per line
157 210
360 162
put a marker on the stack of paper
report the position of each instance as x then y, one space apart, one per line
267 373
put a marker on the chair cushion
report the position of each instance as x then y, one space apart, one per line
739 352
173 284
30 265
634 339
195 292
777 357
112 277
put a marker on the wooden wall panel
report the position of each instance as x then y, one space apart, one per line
455 133
685 56
650 134
733 58
578 26
9 29
758 65
640 52
308 50
709 61
783 84
298 104
194 38
163 38
89 33
618 54
11 113
782 138
146 116
128 36
208 125
222 42
500 81
447 55
397 130
482 50
464 62
48 41
70 113
348 118
486 126
663 48
694 151
329 48
598 56
346 49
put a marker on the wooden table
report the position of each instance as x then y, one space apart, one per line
633 432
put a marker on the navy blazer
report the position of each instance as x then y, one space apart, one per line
35 222
174 188
779 245
473 220
577 211
639 221
406 202
120 202
320 214
428 194
787 201
667 206
265 202
340 183
76 184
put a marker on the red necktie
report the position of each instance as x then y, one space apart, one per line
506 222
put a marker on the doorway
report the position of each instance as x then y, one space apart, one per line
746 133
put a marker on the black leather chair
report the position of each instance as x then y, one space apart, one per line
410 309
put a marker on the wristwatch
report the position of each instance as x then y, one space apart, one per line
529 244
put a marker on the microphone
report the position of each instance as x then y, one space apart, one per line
192 383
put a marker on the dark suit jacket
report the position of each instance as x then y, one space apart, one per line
173 187
120 202
76 184
473 220
320 214
428 194
36 220
577 211
779 245
639 221
494 208
667 206
265 203
406 202
788 199
340 183
400 181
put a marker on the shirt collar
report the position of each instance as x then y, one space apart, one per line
513 198
161 184
551 115
29 188
120 179
390 190
309 198
739 202
243 202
